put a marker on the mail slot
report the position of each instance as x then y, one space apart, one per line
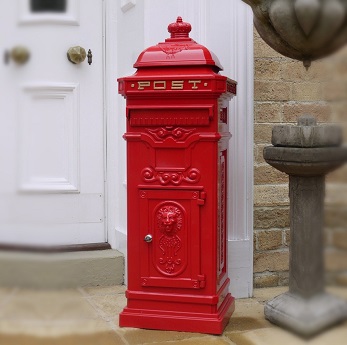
177 109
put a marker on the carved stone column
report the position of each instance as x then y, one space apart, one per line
306 152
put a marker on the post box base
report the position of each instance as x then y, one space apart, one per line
179 321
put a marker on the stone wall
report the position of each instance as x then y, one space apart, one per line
283 89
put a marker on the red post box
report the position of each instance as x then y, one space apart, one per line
177 140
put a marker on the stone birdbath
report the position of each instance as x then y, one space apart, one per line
306 152
304 30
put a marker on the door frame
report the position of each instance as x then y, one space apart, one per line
240 240
114 119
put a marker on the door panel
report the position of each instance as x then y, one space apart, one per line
52 180
172 258
49 157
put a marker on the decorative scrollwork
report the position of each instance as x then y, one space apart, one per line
177 133
170 177
171 49
169 222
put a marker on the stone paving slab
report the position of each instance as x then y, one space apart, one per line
89 316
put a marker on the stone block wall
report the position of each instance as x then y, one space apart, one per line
283 89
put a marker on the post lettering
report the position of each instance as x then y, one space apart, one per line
177 85
159 85
194 82
143 84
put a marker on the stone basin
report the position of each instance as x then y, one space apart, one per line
306 149
305 161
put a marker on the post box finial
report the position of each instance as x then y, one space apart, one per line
180 29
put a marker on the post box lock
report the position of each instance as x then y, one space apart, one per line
148 238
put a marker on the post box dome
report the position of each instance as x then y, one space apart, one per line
178 50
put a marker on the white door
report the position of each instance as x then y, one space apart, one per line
52 124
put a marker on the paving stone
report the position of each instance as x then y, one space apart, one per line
52 328
47 305
50 313
144 336
245 323
213 340
100 338
266 336
82 323
104 290
248 313
109 305
5 295
4 292
276 336
263 295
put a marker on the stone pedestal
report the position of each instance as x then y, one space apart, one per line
306 152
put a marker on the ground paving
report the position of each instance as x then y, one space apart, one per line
89 316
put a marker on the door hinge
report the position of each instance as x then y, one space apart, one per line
201 200
202 280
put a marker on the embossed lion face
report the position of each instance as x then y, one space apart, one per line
169 220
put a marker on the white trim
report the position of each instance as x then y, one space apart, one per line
195 12
115 187
239 267
241 159
105 113
238 65
110 70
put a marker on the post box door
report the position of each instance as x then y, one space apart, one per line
171 221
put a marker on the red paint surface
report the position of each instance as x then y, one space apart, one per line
177 140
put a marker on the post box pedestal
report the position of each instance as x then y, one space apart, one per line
177 141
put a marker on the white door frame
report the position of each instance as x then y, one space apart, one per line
240 68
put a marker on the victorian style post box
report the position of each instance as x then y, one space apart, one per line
177 139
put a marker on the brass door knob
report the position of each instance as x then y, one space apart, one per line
76 54
19 54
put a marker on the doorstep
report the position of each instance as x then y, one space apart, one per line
61 270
